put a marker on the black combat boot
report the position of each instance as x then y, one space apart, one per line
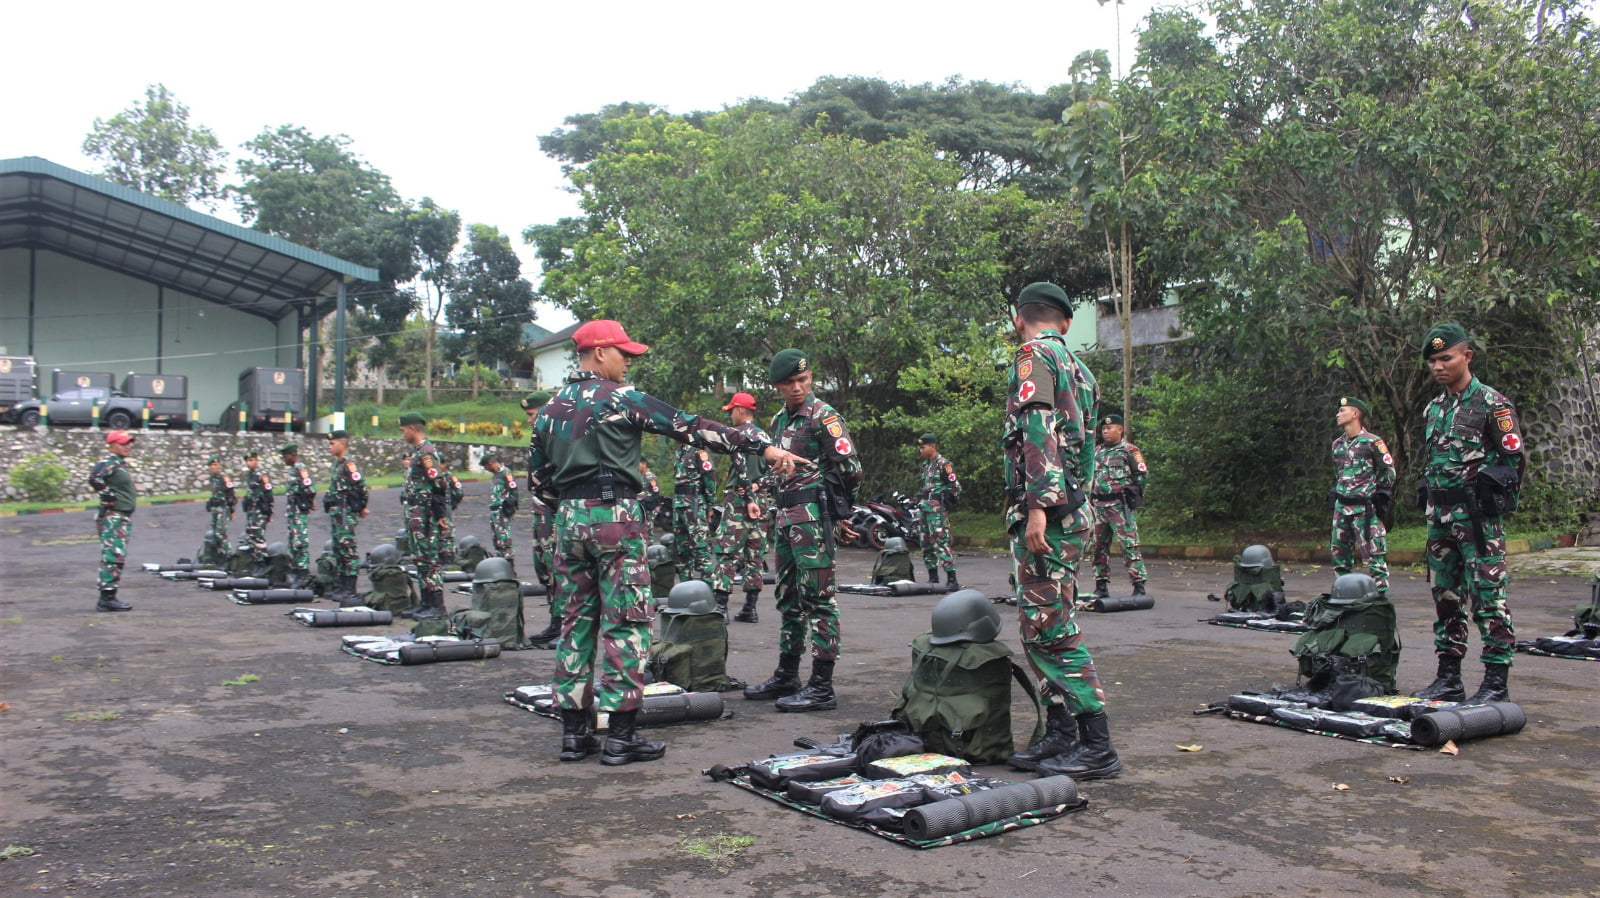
818 694
347 594
1138 588
1494 687
747 614
784 681
432 607
623 745
1093 759
950 581
550 635
108 602
722 603
578 740
1446 685
933 575
1102 589
1060 737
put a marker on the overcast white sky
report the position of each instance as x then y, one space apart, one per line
449 100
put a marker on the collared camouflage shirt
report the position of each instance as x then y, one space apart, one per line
748 475
1051 405
939 478
692 467
1118 466
345 485
814 431
425 478
1466 432
1363 466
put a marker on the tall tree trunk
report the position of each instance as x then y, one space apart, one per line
1126 314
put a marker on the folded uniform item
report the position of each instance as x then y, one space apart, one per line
812 793
927 763
875 802
1402 707
778 771
1260 705
1344 723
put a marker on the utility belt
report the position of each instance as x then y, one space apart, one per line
791 498
1352 500
603 487
686 489
1106 497
1455 495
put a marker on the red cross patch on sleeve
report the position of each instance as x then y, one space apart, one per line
841 446
1511 442
1026 391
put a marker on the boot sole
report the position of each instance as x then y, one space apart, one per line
813 706
631 758
1101 773
767 696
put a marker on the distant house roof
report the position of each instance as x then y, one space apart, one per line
561 336
533 333
48 206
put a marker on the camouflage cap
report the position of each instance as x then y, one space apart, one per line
1354 403
1442 337
412 419
1046 293
535 399
787 364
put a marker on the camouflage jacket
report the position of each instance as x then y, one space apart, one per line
749 476
1051 404
453 490
1467 432
258 492
345 486
1363 466
692 471
503 495
425 478
110 478
299 494
814 431
939 479
1117 466
222 492
594 425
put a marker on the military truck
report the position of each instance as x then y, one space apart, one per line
269 396
166 394
17 383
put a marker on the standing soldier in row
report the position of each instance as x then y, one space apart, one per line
222 502
258 504
299 498
809 502
694 485
1118 489
446 532
425 498
544 539
346 504
742 538
1363 489
584 454
1475 465
940 492
504 495
118 499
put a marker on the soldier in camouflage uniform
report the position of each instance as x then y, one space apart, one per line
258 504
222 502
742 538
1361 495
118 499
940 492
543 541
583 458
809 427
299 498
1049 460
694 486
504 496
346 504
446 524
1475 461
425 496
1118 489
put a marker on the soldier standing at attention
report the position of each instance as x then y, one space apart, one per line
742 539
299 498
809 427
425 498
118 498
222 501
346 504
1049 458
1475 464
694 483
504 496
544 540
1362 491
258 504
940 491
584 454
446 526
1118 489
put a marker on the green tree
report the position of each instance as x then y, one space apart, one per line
435 231
152 148
309 189
489 298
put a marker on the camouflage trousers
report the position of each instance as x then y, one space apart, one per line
500 532
345 559
255 533
114 531
741 550
1046 590
1117 520
299 541
219 524
602 588
444 538
805 591
1463 578
422 532
692 538
1360 536
544 547
936 537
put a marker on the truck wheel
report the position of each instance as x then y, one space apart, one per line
29 418
119 420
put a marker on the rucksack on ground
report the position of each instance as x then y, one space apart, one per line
1359 638
891 567
495 613
392 589
692 652
1255 588
957 698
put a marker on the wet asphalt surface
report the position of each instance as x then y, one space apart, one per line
129 768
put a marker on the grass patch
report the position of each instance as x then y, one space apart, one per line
719 849
242 680
13 619
11 852
93 716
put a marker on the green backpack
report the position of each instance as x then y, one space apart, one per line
958 698
495 613
212 553
392 589
1359 637
692 652
663 577
468 560
1589 613
892 566
241 562
327 576
1255 589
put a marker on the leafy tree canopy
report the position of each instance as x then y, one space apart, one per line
152 148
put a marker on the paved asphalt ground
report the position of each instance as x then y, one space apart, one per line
129 768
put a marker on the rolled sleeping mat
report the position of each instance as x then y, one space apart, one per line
163 568
323 617
915 589
534 589
1124 603
1470 722
769 579
202 574
228 583
266 596
455 576
659 710
963 812
430 652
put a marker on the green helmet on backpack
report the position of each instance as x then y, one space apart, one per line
966 615
384 555
278 550
894 544
657 554
1254 557
491 569
466 543
1351 588
691 597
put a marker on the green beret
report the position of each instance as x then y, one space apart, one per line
287 448
1356 404
787 364
1046 293
535 399
338 435
214 460
1442 337
1110 419
414 419
928 439
251 453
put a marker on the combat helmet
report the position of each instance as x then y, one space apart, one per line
278 550
1254 557
327 547
894 545
657 554
1349 589
667 539
466 543
966 615
386 554
210 538
691 597
491 569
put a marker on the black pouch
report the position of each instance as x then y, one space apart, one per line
1497 487
884 739
1422 495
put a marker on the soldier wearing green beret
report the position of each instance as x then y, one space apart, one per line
808 501
299 498
1474 467
1362 492
940 492
425 497
258 506
346 504
1118 489
543 541
222 502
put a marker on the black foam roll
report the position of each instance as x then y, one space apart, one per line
534 589
328 618
161 568
952 815
228 583
659 710
915 589
430 652
455 576
1125 603
262 596
1470 722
